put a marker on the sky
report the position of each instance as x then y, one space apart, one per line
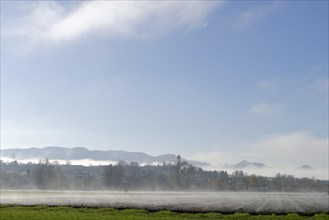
216 81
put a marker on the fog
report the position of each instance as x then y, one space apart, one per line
82 162
265 171
225 202
273 171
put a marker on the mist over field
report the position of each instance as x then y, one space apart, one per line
257 203
174 185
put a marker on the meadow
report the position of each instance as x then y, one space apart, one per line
9 212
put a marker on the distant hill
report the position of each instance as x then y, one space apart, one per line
81 153
245 164
305 167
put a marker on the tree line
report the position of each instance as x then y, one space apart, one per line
181 176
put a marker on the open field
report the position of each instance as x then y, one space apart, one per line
223 202
63 213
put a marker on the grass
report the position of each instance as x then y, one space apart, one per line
66 212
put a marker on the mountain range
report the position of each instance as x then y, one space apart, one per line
245 164
305 167
81 153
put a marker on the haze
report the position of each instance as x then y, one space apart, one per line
226 202
219 82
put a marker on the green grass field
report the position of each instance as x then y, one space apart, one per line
64 212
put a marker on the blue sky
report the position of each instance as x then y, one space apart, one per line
216 81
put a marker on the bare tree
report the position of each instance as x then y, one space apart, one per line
113 175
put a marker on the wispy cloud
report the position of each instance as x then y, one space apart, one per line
49 22
315 72
271 85
266 109
254 14
320 85
315 81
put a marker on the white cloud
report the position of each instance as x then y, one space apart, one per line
254 14
49 22
25 32
281 152
293 148
266 109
